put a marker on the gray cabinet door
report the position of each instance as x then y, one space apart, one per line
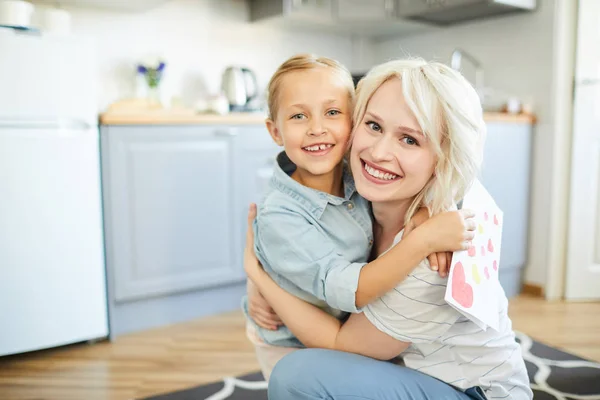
506 174
169 192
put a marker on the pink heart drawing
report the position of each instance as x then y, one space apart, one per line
495 265
485 216
471 251
486 272
462 292
495 220
483 250
490 246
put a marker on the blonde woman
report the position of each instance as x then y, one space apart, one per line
420 123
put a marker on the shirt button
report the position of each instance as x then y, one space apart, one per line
371 242
350 206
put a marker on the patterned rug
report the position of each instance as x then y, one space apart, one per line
554 375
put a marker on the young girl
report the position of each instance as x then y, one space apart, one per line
313 231
422 124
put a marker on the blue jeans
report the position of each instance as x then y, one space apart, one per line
311 374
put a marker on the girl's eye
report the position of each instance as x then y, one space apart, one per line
410 141
298 116
374 126
332 113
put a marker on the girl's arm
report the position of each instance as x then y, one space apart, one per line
448 231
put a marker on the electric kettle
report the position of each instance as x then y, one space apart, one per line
239 86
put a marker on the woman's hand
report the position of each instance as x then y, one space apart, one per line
258 308
449 231
440 261
251 264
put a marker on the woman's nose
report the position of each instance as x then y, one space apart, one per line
380 150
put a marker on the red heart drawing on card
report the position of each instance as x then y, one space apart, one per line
471 251
486 272
495 266
485 216
490 246
495 220
483 250
462 292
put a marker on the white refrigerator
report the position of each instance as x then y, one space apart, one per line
52 274
583 255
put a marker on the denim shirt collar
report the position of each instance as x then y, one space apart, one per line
315 200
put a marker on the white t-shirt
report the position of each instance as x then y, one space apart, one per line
447 345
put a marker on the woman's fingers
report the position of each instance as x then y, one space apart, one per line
443 263
264 318
433 261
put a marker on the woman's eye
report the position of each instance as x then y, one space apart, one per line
374 126
332 113
410 141
298 116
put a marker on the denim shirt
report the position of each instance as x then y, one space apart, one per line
312 244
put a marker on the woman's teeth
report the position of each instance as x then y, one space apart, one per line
379 174
318 147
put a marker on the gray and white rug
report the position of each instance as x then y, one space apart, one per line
554 375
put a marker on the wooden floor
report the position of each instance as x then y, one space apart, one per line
186 355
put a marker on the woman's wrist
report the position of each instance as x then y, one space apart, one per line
259 278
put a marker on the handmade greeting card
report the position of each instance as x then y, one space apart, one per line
473 281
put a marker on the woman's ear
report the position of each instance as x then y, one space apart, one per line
274 132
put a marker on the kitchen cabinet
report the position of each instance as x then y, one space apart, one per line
175 200
361 10
116 5
312 11
506 174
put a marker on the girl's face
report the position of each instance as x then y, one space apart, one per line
390 158
313 120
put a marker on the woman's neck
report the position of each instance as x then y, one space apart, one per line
389 220
330 182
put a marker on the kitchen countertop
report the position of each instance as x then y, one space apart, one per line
189 117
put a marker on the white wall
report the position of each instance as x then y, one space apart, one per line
517 54
198 38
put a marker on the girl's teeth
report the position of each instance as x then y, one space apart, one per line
318 147
379 174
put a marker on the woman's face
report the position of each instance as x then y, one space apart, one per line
390 158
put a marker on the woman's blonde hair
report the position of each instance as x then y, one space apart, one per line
449 113
303 62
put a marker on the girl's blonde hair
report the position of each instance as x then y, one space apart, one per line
449 113
303 62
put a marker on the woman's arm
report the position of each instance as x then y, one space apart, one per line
315 328
311 325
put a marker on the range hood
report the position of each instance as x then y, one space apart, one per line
448 12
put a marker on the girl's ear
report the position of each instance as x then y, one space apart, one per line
274 132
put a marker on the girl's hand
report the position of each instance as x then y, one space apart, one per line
258 308
440 261
449 231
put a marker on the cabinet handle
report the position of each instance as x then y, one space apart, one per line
227 133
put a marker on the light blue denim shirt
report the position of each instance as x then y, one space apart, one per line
312 244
